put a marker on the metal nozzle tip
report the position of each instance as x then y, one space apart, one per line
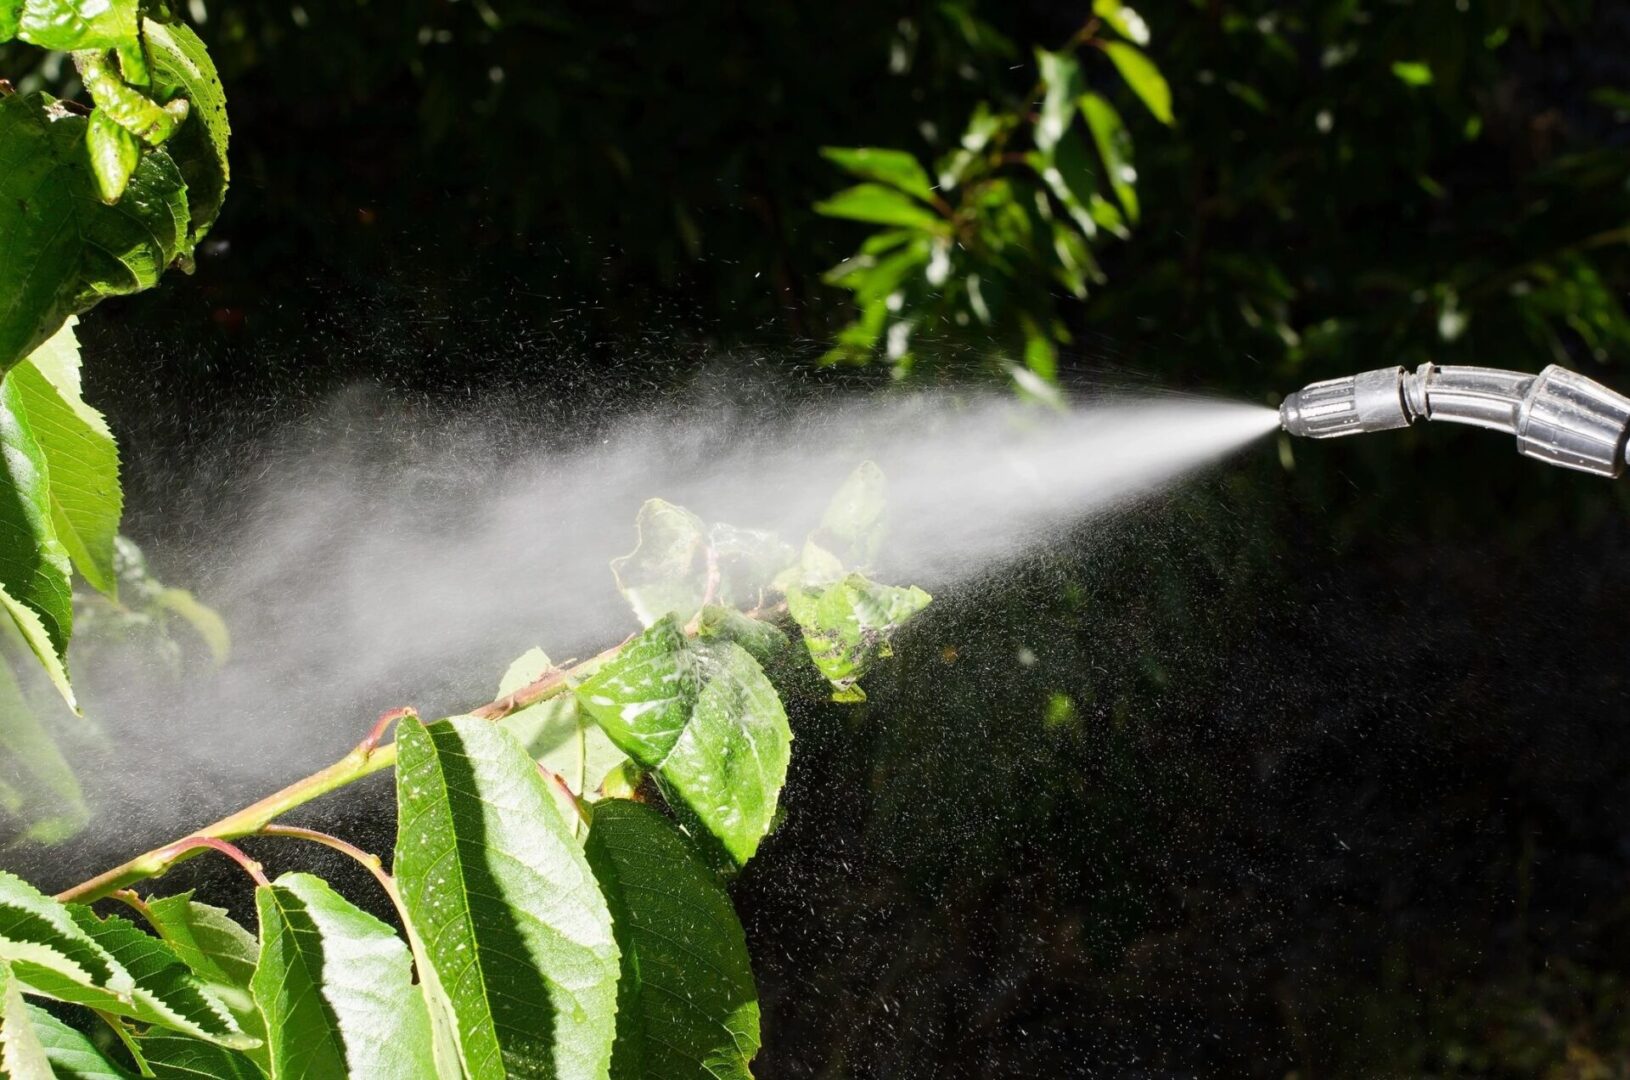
1290 414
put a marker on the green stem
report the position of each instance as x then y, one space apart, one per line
366 759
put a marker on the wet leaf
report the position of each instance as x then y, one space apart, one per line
555 732
66 249
219 951
165 992
34 565
703 716
336 988
181 67
66 25
849 624
82 462
22 1053
516 933
686 1003
667 571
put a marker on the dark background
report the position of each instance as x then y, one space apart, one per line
1320 771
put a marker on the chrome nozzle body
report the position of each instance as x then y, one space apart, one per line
1557 416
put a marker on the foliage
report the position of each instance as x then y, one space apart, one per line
1013 211
93 203
547 929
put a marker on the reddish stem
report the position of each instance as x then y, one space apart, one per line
231 851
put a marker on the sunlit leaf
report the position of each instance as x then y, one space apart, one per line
66 25
1061 83
704 717
38 935
82 462
849 624
40 790
893 167
34 565
667 572
555 732
22 1053
182 68
1115 148
336 988
66 249
764 640
114 153
881 205
746 561
1125 21
1413 72
1143 77
219 951
686 1003
165 992
498 891
205 621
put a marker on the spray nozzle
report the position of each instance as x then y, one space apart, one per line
1557 416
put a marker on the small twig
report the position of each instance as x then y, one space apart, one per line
231 851
371 862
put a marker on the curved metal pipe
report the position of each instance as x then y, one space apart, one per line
1558 416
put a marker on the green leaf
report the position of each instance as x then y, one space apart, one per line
66 25
1125 21
176 1057
881 205
114 154
763 640
39 938
1413 72
65 249
166 993
686 1003
893 167
747 562
181 67
555 732
22 1051
1061 79
500 895
34 566
854 524
849 624
33 632
335 986
41 790
1070 176
1115 147
1143 77
82 462
705 718
71 1053
205 621
667 571
215 948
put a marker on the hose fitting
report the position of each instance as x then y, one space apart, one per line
1558 416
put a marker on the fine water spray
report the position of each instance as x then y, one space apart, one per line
1558 416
